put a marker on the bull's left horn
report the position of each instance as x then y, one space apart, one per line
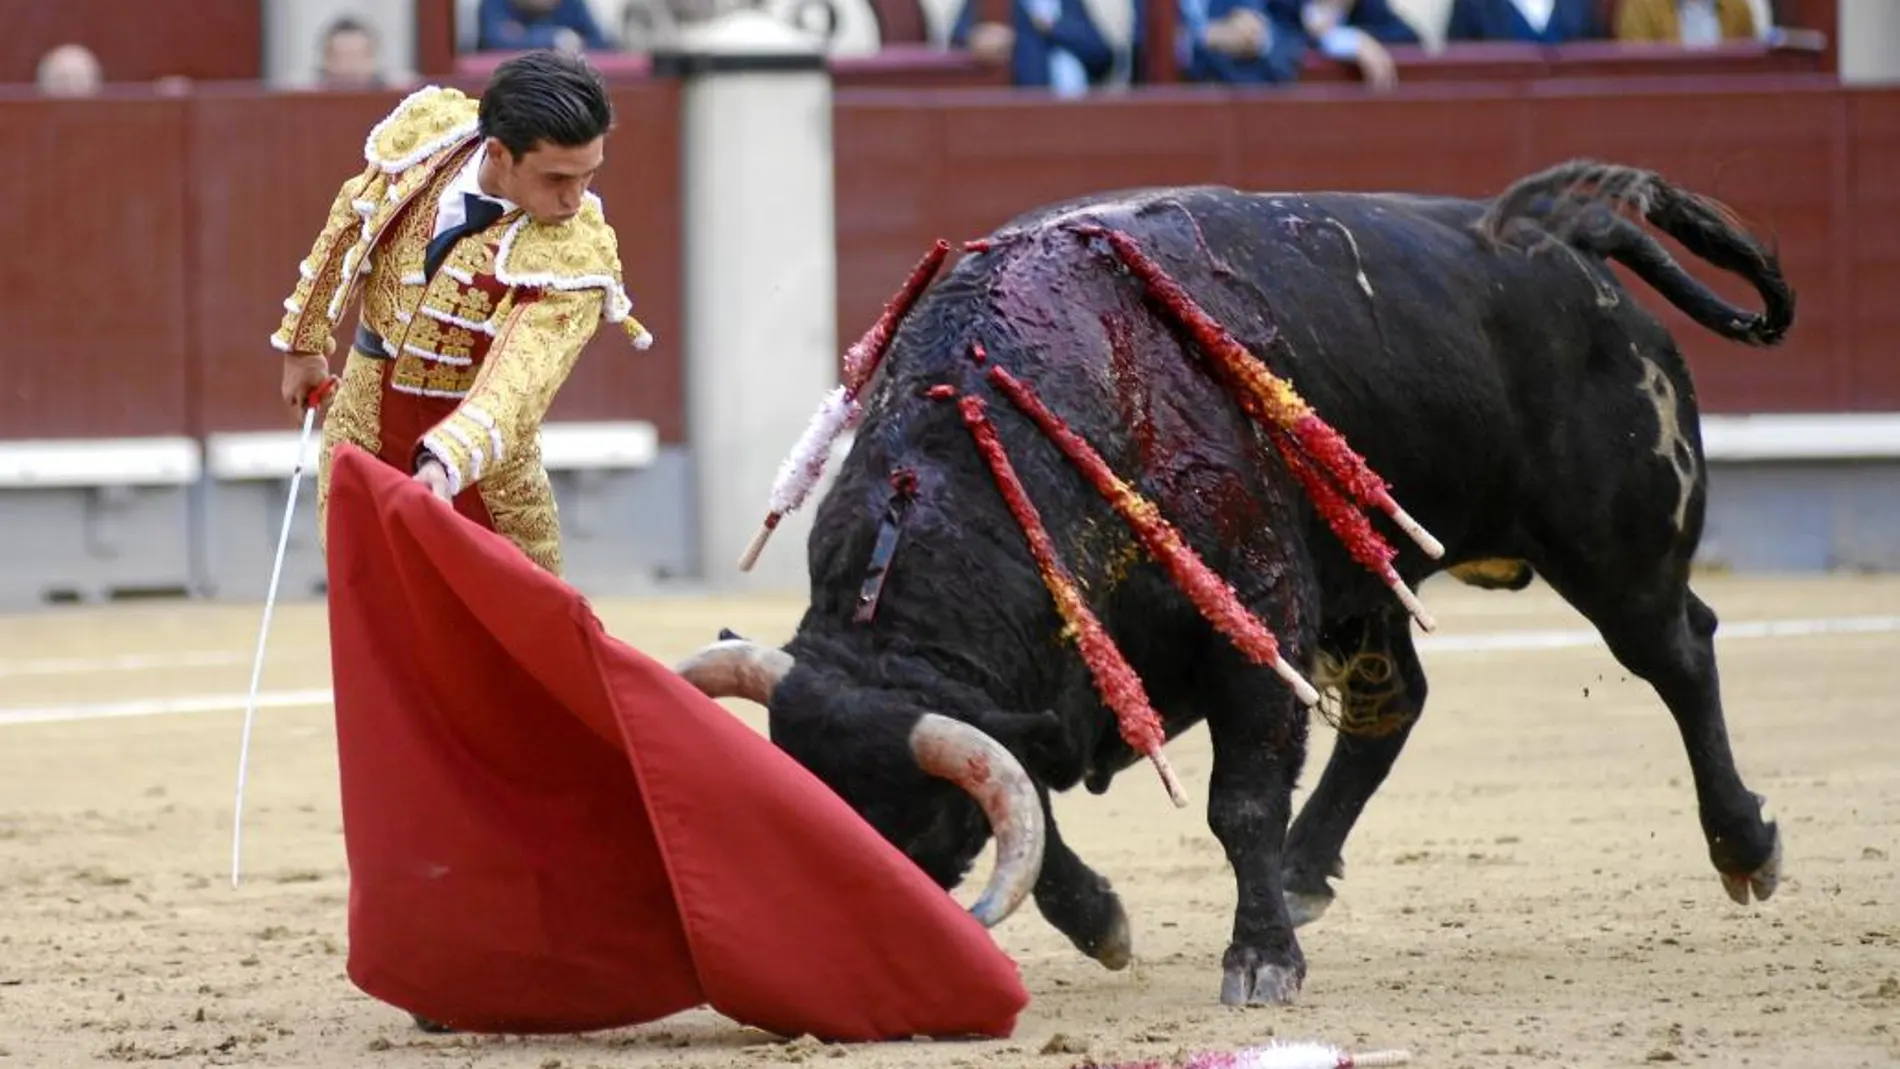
736 668
964 755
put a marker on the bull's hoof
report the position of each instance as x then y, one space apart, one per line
1248 980
1117 947
1762 882
1090 914
1308 892
1305 907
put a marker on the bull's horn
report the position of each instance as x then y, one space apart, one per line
980 765
736 668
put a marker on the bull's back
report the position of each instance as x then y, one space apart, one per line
1057 315
1379 309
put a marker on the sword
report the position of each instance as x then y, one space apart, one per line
311 404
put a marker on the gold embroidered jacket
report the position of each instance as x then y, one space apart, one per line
504 318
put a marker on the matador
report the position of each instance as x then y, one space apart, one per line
484 265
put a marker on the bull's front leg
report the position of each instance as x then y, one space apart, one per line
1078 902
1258 733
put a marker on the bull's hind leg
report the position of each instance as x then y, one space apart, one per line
1258 731
1620 553
1382 693
1662 632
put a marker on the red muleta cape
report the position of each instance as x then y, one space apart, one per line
548 831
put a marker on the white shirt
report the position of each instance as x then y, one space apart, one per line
1701 27
449 210
1536 12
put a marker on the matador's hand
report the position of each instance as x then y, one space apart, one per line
304 375
434 476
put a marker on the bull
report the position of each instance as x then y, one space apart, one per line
1481 354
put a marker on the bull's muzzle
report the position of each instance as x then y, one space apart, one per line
941 746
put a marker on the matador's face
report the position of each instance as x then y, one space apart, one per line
549 180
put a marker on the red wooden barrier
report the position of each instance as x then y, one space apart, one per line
92 284
137 40
137 299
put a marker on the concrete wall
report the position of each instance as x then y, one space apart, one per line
1870 41
175 520
1803 516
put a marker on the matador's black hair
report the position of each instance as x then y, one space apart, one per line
545 95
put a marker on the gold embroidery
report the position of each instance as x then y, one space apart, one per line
472 304
582 253
454 344
398 256
531 357
583 250
309 329
521 503
413 374
354 416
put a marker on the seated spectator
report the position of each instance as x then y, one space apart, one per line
349 57
1241 41
1353 30
1052 43
1694 23
514 25
1546 22
70 71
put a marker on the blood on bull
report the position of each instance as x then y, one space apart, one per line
982 589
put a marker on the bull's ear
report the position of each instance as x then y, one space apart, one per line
1041 741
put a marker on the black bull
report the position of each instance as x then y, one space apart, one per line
1480 354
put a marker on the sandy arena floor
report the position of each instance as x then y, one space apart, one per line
1529 889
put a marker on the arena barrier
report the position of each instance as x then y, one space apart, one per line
142 449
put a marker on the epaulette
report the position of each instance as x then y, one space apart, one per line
579 254
428 120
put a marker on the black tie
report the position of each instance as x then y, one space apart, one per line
481 212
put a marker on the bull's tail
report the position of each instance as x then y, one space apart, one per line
1578 203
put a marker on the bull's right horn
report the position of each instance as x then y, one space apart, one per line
736 668
971 759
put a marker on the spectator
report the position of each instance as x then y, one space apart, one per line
1245 41
1353 30
1546 22
70 70
514 25
1695 23
1052 43
349 57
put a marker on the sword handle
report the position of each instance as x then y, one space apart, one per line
322 393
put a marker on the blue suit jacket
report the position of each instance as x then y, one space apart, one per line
1073 31
494 15
1279 63
1499 20
1374 17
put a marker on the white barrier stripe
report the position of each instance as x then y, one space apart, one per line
190 703
1477 643
131 662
